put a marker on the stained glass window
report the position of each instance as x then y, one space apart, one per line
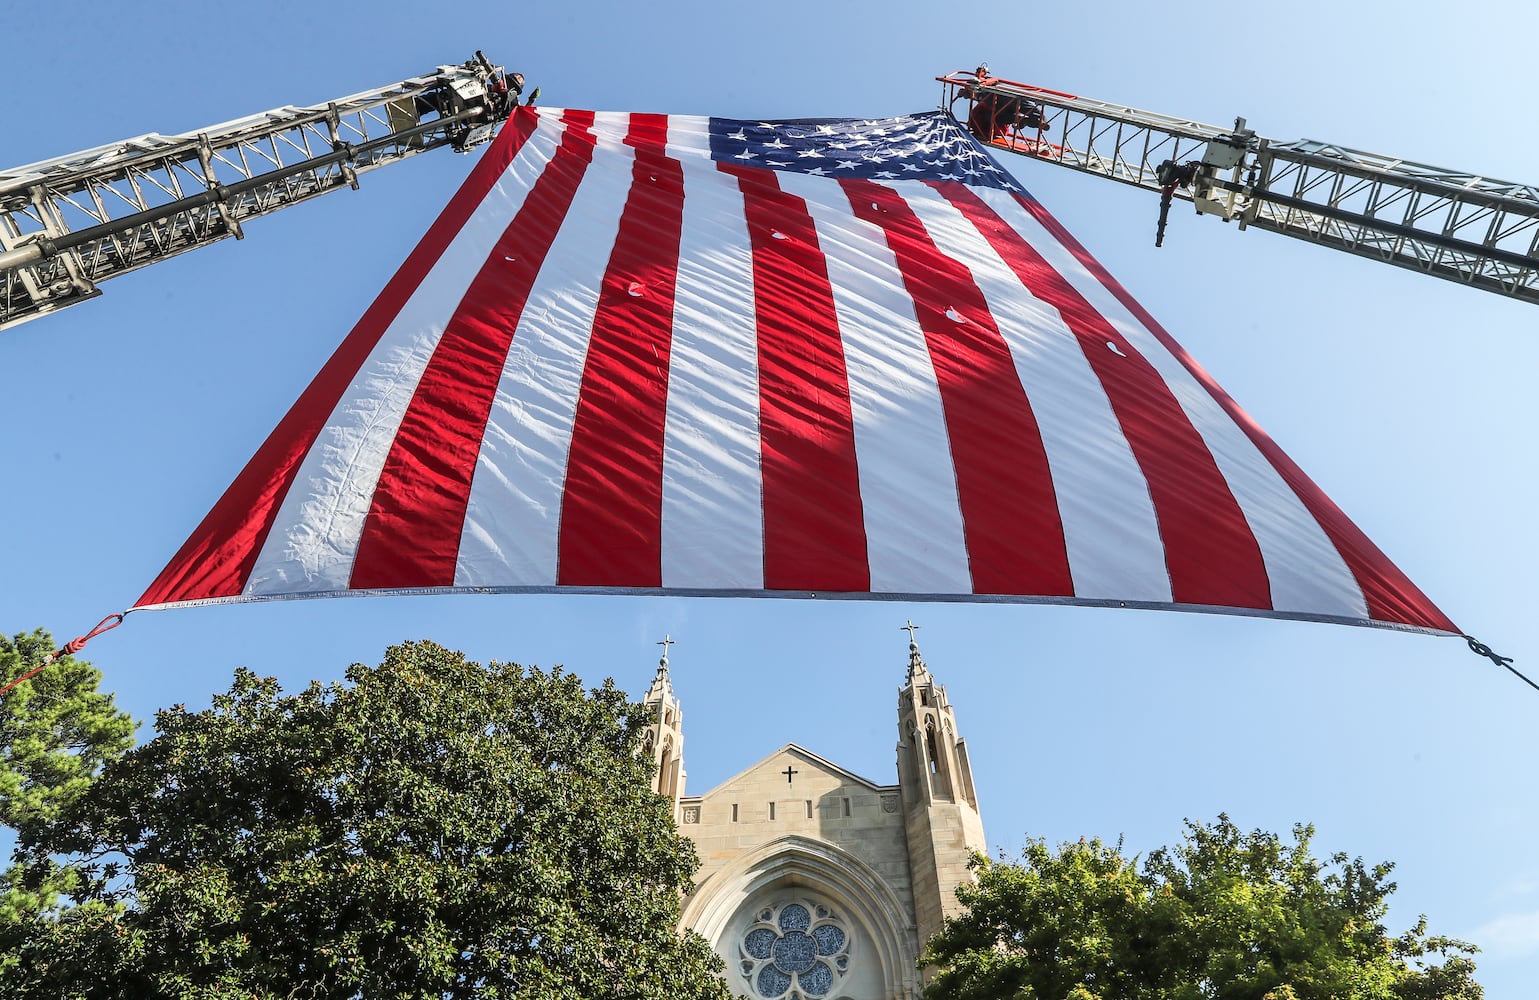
817 981
772 982
795 950
830 939
795 918
759 942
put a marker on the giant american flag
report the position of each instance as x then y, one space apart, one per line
663 354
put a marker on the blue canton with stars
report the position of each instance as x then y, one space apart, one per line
925 147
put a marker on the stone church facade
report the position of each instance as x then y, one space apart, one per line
816 883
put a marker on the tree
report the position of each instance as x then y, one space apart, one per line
1223 914
433 828
57 732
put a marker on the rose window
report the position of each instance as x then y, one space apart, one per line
796 950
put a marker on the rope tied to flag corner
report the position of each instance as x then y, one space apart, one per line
1481 649
70 648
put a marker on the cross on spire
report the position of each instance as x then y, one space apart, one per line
666 642
916 667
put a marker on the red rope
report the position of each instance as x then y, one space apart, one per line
70 648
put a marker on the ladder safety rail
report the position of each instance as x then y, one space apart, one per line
69 223
1458 226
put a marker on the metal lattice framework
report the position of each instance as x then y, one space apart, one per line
69 223
1458 226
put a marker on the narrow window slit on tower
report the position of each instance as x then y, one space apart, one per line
734 812
809 808
772 810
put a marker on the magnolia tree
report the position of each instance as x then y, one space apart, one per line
1238 916
430 828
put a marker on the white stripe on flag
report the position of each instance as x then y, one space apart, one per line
713 514
689 139
1110 530
513 519
902 448
1304 570
314 537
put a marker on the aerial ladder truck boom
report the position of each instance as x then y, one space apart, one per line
69 223
1462 227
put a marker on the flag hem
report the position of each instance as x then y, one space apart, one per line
938 598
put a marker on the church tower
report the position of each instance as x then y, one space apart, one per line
665 737
816 883
940 805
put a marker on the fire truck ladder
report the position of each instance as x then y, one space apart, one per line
1456 226
69 223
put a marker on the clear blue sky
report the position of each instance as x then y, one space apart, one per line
1408 399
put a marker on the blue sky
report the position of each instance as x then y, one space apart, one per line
1407 399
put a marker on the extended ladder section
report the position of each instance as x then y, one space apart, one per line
69 223
1458 226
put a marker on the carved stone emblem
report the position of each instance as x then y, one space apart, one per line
691 814
889 803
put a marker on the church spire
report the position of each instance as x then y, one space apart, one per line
940 805
665 737
661 690
917 670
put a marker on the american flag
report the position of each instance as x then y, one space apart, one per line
665 354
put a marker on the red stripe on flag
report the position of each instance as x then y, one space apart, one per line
1210 552
1014 533
411 535
1389 593
612 510
218 556
814 526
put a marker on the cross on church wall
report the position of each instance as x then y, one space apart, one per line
788 772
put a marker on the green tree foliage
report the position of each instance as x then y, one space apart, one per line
433 828
1223 914
57 732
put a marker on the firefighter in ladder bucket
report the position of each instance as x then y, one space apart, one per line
995 116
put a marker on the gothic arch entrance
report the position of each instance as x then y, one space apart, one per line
802 919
